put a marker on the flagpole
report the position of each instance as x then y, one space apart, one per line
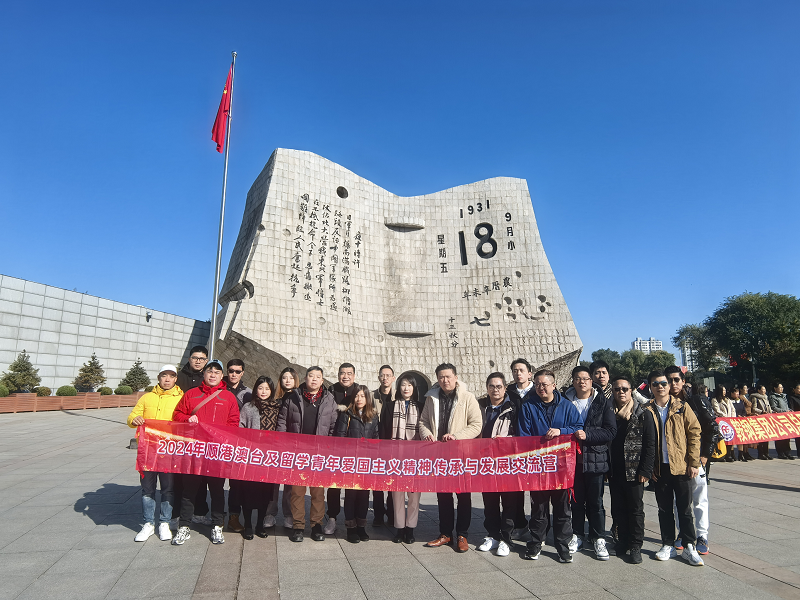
222 216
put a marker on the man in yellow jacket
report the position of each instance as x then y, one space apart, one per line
159 405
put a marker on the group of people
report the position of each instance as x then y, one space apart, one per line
737 402
623 438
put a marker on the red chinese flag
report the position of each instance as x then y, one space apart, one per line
218 131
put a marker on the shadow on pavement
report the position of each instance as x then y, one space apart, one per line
113 504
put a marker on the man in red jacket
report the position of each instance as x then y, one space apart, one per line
210 403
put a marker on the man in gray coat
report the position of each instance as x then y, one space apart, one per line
310 410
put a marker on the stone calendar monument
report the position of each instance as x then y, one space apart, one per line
330 268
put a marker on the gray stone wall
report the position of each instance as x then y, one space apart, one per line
60 329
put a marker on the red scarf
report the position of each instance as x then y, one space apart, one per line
312 398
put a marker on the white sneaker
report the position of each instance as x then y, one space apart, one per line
164 533
667 551
600 551
288 523
180 537
691 556
575 544
489 543
502 549
174 523
148 529
330 527
216 535
201 520
269 521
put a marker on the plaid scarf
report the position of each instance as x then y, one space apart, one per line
404 422
607 392
312 398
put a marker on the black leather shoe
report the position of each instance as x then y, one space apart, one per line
635 556
352 535
261 532
296 535
398 536
316 533
247 533
409 535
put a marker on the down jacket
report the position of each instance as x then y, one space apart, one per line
600 427
724 407
351 425
158 404
290 419
505 423
533 419
709 429
222 410
760 404
465 418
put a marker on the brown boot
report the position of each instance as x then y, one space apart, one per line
234 525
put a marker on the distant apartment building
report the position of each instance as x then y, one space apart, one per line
689 358
647 346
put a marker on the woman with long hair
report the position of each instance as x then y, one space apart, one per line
358 420
260 413
402 416
288 380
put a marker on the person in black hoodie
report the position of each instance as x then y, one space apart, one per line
599 429
343 392
191 375
359 420
633 453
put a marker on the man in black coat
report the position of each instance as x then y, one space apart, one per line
343 392
594 461
191 375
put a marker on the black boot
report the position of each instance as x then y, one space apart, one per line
398 536
362 534
352 535
409 535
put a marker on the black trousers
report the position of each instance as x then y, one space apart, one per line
235 496
334 502
588 504
540 519
627 510
449 519
499 525
382 505
677 488
356 506
200 502
520 522
783 446
191 485
763 449
255 495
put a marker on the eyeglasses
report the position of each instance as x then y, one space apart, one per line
384 376
675 379
621 389
582 379
495 387
237 371
659 384
197 358
544 385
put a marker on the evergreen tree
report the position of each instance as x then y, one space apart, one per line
91 375
136 378
21 376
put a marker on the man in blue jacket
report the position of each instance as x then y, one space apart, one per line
547 414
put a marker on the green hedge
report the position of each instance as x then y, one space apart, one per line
3 391
66 390
123 390
149 388
105 391
43 391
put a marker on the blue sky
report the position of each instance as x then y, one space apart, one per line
660 140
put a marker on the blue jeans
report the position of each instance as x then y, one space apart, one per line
149 480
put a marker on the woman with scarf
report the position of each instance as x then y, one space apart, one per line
260 413
401 422
760 406
358 420
289 380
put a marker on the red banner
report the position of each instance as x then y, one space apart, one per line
481 465
759 428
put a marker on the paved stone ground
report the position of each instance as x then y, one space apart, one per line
71 506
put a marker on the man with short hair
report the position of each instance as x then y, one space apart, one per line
547 414
601 374
210 403
382 397
310 410
343 393
780 404
522 372
191 375
158 404
633 452
677 463
709 435
451 413
499 417
243 395
593 462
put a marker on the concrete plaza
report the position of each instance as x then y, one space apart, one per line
71 506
